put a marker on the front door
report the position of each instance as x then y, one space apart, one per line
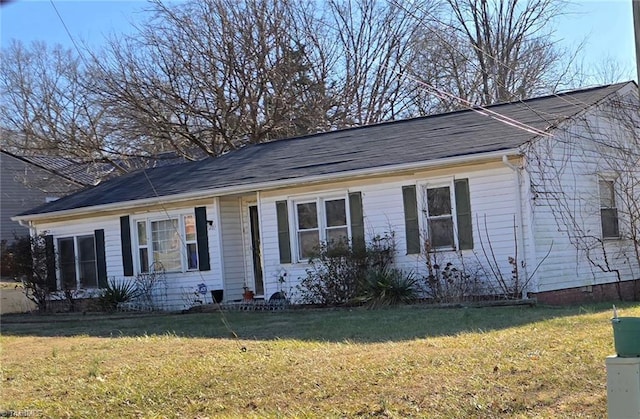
256 258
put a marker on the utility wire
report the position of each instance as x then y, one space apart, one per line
481 51
73 41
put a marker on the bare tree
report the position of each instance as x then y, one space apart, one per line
610 70
215 75
376 46
206 77
43 101
48 107
488 52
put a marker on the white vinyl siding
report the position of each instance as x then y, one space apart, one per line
174 285
580 172
383 214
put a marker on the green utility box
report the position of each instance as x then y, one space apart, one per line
626 336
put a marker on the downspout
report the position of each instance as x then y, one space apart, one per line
522 267
635 8
29 225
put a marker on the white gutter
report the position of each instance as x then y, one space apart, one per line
252 187
522 268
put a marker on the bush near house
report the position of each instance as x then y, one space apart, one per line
12 255
343 275
28 260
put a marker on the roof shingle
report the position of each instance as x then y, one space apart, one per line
414 140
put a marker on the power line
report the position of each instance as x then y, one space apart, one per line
475 47
73 41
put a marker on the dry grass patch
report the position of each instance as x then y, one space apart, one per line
549 363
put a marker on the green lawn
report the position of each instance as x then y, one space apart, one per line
403 362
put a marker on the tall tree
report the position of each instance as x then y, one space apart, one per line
206 77
44 104
375 43
490 51
215 75
49 107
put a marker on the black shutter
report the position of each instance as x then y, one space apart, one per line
202 237
463 214
357 222
125 240
50 260
412 229
101 258
284 244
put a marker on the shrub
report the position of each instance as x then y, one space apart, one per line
15 258
337 275
116 293
30 262
388 287
451 284
333 276
152 287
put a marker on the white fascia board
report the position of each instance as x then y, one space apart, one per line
276 184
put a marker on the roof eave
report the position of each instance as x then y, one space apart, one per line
270 185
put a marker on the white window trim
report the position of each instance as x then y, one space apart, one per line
319 200
423 212
179 215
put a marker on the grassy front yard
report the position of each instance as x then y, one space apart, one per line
413 361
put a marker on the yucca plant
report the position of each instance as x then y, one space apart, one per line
117 292
388 287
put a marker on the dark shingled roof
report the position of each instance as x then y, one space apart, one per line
92 173
414 140
85 174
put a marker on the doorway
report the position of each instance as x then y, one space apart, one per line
256 257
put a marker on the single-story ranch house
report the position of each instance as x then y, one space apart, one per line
531 185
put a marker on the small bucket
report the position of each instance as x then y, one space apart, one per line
626 336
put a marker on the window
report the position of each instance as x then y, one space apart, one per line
445 220
191 241
165 242
439 217
78 262
608 210
336 216
321 220
143 248
308 231
169 243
